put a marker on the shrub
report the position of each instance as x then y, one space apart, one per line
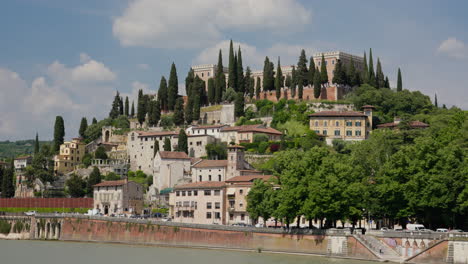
5 227
260 138
262 147
112 177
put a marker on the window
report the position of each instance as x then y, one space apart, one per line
241 191
337 123
209 177
242 217
217 205
202 74
217 215
200 178
208 205
324 132
183 193
317 131
195 193
208 215
349 133
358 132
333 61
207 192
358 123
189 193
219 177
349 123
231 216
337 132
208 74
217 192
325 123
316 123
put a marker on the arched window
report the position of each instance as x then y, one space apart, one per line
337 123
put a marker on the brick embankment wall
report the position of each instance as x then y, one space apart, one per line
125 232
435 254
358 250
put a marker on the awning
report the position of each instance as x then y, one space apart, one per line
165 191
231 191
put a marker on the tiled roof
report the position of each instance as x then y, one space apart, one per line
111 183
201 185
195 160
338 114
368 106
173 155
23 157
412 124
208 126
252 128
156 133
211 163
249 178
237 128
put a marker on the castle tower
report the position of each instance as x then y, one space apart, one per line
235 161
368 109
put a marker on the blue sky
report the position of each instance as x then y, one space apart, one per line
63 57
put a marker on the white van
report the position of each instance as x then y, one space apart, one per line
415 227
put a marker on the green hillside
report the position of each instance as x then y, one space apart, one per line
10 149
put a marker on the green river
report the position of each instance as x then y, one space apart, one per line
51 252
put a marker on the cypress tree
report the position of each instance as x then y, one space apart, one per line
211 91
121 106
151 121
59 133
8 189
351 73
323 71
399 82
196 108
371 74
182 143
179 112
167 144
93 179
94 121
339 77
172 88
115 110
258 88
380 77
435 101
365 71
126 106
293 82
83 127
141 108
268 75
156 112
300 89
240 73
189 110
302 69
287 82
162 94
1 179
232 68
387 82
249 89
36 145
188 80
278 80
133 110
155 147
317 84
220 83
252 87
239 105
311 73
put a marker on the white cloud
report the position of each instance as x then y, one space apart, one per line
253 57
196 23
73 92
136 86
454 48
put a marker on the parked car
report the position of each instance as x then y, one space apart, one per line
259 225
456 231
384 229
239 224
167 219
415 227
442 230
30 213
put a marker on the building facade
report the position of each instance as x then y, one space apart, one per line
22 162
169 168
118 197
331 58
246 133
197 144
70 156
344 125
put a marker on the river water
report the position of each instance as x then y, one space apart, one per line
51 252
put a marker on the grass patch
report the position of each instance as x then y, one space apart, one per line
211 108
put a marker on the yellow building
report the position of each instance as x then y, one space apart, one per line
345 125
70 156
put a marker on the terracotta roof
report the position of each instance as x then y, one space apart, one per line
201 185
208 126
111 183
338 114
238 128
236 146
173 155
368 106
267 130
156 133
249 178
195 160
211 163
201 135
23 157
412 124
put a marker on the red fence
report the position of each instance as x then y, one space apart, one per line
47 202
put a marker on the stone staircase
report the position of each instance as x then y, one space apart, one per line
379 248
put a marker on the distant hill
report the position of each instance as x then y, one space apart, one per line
10 149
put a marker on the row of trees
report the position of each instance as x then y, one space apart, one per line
7 187
119 108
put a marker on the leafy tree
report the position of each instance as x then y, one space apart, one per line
112 177
278 80
36 144
230 95
100 153
220 83
260 200
216 151
399 82
268 75
239 105
302 69
371 75
115 110
182 144
76 187
323 71
172 88
211 91
179 112
155 147
317 84
83 127
258 88
59 133
380 78
87 160
260 138
167 144
93 179
166 121
126 112
240 73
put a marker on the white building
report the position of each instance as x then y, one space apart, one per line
117 197
169 168
20 163
197 144
212 130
